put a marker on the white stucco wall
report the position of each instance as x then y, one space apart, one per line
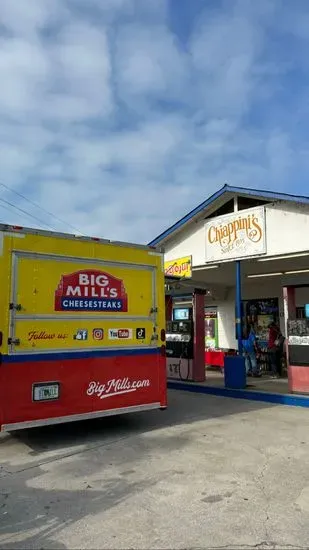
190 243
287 230
226 324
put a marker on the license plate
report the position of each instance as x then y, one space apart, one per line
45 392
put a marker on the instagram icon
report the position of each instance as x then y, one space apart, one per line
98 333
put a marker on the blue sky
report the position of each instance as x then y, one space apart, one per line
119 116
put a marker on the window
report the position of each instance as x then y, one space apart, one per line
248 202
300 313
227 208
243 204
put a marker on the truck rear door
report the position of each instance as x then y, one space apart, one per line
72 304
75 324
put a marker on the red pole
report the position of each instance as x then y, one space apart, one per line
168 308
199 335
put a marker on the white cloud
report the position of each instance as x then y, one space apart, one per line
23 68
225 50
120 115
149 61
27 18
82 72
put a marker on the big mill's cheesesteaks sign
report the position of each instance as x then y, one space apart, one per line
236 235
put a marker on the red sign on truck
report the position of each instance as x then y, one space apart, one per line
90 290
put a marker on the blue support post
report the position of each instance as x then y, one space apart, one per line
235 366
238 307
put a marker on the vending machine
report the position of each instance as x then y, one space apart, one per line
297 337
179 349
211 328
298 353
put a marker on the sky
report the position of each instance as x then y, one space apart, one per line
120 116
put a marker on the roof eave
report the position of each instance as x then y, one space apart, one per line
188 217
267 195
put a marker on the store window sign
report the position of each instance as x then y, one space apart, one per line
182 267
211 327
236 235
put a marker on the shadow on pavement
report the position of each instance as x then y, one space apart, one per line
183 408
35 506
41 497
33 517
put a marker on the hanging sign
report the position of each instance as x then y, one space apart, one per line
237 235
182 267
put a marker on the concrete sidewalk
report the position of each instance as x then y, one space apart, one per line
208 472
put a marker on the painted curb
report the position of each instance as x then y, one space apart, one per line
250 395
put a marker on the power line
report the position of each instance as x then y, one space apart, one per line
40 207
27 213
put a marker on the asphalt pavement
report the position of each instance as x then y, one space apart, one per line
209 472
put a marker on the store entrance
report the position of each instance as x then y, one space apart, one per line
258 315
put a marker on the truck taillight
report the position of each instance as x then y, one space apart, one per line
163 335
163 350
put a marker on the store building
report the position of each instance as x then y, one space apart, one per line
266 234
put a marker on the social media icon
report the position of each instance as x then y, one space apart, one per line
98 334
81 334
119 333
140 334
123 333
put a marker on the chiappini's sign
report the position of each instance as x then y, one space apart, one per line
182 267
236 235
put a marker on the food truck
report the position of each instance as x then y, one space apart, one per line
82 328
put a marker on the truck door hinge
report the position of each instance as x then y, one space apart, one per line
17 307
154 310
13 341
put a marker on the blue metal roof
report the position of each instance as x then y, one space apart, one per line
263 194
